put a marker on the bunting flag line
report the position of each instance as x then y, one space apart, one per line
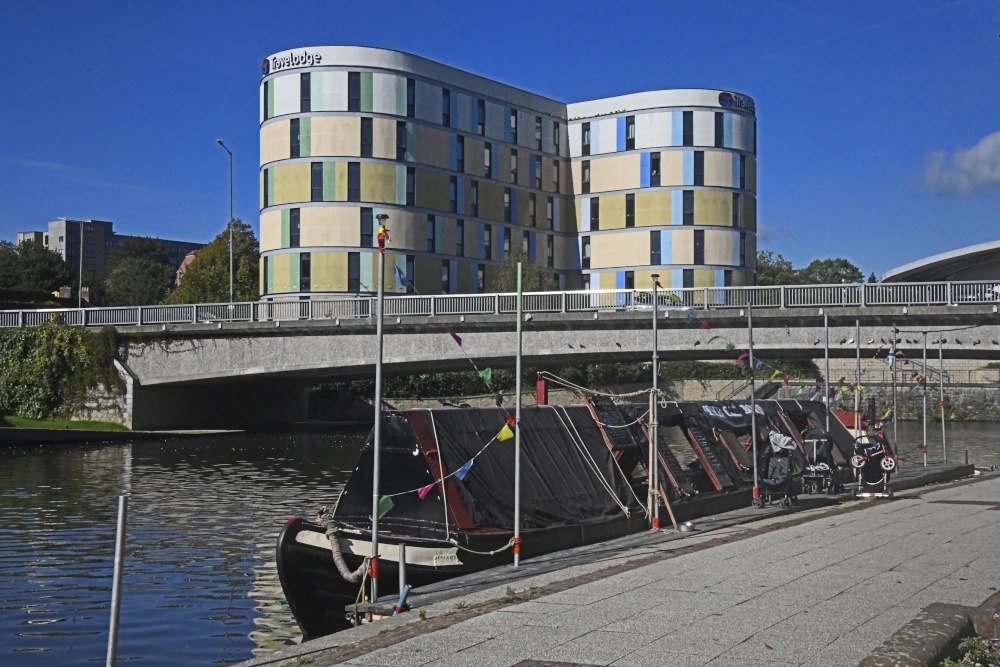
464 470
424 490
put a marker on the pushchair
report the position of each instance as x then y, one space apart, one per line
820 472
779 467
874 462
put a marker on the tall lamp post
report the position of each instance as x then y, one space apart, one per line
219 141
383 237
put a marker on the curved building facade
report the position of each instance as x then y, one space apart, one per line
602 193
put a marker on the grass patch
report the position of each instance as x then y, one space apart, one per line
298 662
510 595
72 425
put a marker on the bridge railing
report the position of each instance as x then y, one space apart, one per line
361 307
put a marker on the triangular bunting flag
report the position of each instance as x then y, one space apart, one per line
385 504
787 379
400 278
424 490
729 347
743 356
801 389
690 317
774 376
705 325
454 335
814 397
714 338
758 364
487 375
464 470
505 433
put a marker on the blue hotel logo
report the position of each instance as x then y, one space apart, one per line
738 101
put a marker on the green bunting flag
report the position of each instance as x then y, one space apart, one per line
487 375
729 347
714 338
385 505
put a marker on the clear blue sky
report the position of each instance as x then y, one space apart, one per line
878 120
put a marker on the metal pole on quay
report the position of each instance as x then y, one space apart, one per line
517 431
944 446
753 406
654 476
383 236
116 586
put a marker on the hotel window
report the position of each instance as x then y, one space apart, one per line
305 93
526 243
487 159
538 132
453 194
410 186
445 276
367 228
410 270
480 277
687 278
294 149
585 137
267 179
595 213
555 175
630 210
630 133
353 272
366 137
316 181
506 204
654 170
538 171
460 238
736 209
488 241
743 172
720 130
431 233
550 251
688 122
90 254
512 124
699 246
532 206
353 181
460 158
506 241
267 97
555 136
446 107
585 177
481 117
305 272
400 140
654 248
474 197
89 240
699 167
727 278
411 98
688 207
743 249
354 91
294 227
513 166
586 282
585 252
549 211
630 280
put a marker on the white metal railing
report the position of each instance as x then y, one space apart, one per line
362 307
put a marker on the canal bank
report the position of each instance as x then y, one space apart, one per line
825 586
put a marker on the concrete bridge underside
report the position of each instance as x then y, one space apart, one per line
253 375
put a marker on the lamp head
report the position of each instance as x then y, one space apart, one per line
382 217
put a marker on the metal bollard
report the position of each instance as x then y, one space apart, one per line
966 457
402 567
116 587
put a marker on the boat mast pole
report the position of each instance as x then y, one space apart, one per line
517 431
377 436
753 402
654 476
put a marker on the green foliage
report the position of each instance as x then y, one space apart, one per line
71 424
206 279
48 369
31 266
137 281
774 269
534 278
829 272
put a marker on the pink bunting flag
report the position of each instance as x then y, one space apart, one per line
704 325
423 491
743 356
455 336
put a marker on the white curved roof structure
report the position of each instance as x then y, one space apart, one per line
974 262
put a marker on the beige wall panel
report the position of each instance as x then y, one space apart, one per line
427 275
672 168
569 221
336 136
613 212
282 272
408 231
613 250
433 146
329 226
378 182
383 138
652 208
719 169
490 201
576 169
503 163
704 278
524 169
618 172
682 243
566 252
291 184
431 190
719 247
270 230
606 280
712 207
274 142
644 279
328 271
474 157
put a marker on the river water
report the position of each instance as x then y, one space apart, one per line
200 585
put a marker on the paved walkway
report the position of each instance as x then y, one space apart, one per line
822 592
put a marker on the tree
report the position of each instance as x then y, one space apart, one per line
139 275
31 267
872 278
829 272
8 265
534 278
206 279
774 269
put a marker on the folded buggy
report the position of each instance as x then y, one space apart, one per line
874 462
779 467
820 474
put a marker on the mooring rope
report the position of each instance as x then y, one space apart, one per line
509 544
332 534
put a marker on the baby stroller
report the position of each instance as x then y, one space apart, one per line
779 467
820 473
874 462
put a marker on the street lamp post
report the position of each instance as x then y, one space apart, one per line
231 299
377 434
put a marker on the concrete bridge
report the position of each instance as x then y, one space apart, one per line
227 374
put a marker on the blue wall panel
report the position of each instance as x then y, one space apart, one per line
621 134
677 207
688 171
727 130
676 128
644 170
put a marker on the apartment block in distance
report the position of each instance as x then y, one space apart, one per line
603 193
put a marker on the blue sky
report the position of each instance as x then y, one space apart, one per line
879 130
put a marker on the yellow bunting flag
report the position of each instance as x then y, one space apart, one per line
505 433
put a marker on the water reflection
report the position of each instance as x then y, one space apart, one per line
199 585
